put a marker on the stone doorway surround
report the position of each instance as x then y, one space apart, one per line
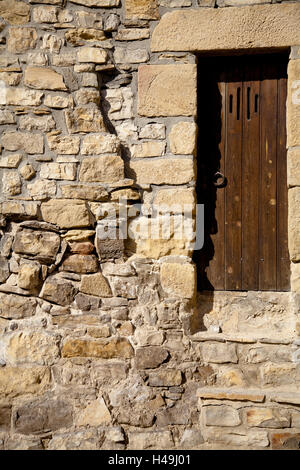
170 90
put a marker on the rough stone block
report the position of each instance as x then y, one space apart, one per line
58 171
41 245
105 349
163 171
43 78
293 103
66 213
160 90
84 120
221 415
95 284
178 280
12 306
99 144
16 381
30 143
219 353
182 138
14 12
142 9
21 39
150 357
102 169
92 54
58 291
294 223
268 418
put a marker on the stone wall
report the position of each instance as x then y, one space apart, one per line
105 343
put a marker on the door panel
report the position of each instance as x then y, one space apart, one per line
243 137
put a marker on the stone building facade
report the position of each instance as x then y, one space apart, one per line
105 342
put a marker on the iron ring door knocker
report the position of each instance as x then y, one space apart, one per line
219 180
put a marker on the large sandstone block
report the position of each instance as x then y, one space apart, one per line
43 78
84 120
21 39
95 414
228 28
102 169
161 91
21 96
293 167
162 171
66 213
30 143
178 280
219 353
293 103
177 199
95 284
58 291
99 144
14 12
81 264
16 381
42 189
64 145
183 138
221 416
33 347
40 245
13 306
294 223
92 54
142 9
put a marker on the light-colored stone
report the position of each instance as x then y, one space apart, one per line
14 12
65 59
19 208
43 78
81 264
45 14
124 55
148 149
27 171
89 79
160 90
153 131
165 378
268 418
29 276
84 120
11 183
182 138
99 144
142 9
102 169
11 78
41 189
11 161
65 145
235 394
294 223
95 414
6 117
17 381
178 280
30 143
58 171
143 440
95 284
86 96
228 28
92 54
21 97
293 103
293 167
180 3
66 213
41 123
132 34
221 416
58 101
33 347
219 352
52 43
163 171
242 439
175 200
37 58
41 245
83 191
106 349
79 36
21 39
13 306
118 103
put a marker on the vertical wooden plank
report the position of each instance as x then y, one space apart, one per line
250 177
268 179
283 262
233 194
216 268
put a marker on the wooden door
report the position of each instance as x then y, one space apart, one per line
242 173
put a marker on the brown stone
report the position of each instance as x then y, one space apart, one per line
45 14
97 3
79 36
268 418
21 39
143 440
40 245
30 143
81 264
58 291
142 9
228 28
286 441
150 357
84 120
109 349
29 276
95 284
84 191
16 381
83 248
160 90
27 172
163 171
66 213
13 306
4 268
43 78
102 169
14 12
40 416
5 417
41 123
